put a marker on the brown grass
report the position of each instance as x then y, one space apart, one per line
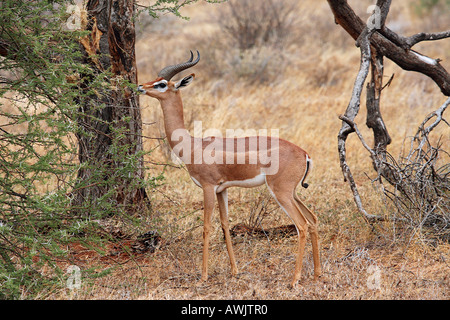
303 100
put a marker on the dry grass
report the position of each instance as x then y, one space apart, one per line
266 267
349 248
302 99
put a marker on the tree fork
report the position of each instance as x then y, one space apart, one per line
376 41
393 46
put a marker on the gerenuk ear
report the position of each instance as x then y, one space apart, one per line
185 81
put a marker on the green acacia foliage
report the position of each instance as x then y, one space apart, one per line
36 145
41 75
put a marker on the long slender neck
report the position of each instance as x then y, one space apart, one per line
173 118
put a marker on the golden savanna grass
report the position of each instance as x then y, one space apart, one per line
301 91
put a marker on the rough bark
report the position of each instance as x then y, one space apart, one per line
113 116
374 119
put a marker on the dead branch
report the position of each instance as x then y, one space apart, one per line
376 41
408 42
421 183
353 125
349 116
242 229
393 46
424 132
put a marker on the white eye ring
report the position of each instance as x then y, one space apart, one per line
161 86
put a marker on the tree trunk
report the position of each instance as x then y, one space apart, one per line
110 143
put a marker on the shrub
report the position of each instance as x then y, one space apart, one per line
421 184
248 45
40 73
253 24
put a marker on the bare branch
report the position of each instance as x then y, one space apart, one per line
408 42
418 184
425 131
353 125
393 46
412 40
349 116
421 182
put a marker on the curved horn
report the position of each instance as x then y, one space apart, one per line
168 72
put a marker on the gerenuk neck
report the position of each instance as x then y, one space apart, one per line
174 120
